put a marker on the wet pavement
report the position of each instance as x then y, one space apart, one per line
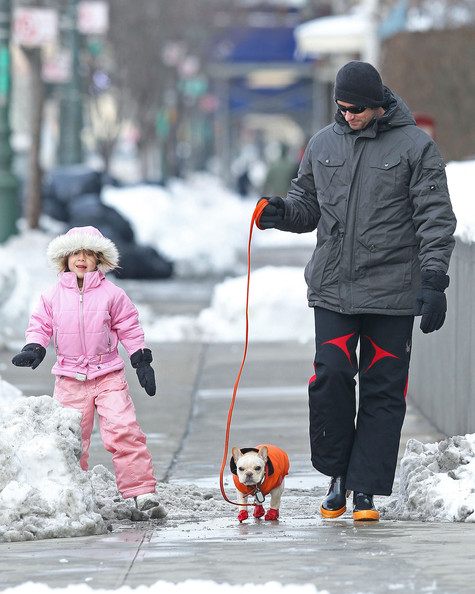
185 425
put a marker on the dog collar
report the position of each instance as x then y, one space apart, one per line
258 494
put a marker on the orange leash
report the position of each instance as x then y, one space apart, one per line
255 219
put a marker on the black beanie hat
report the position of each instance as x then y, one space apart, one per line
359 83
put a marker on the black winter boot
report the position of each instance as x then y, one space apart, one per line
334 504
363 508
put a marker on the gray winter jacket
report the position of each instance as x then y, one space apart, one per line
379 201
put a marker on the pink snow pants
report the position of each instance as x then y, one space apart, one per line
120 432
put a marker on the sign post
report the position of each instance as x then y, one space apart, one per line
9 202
70 110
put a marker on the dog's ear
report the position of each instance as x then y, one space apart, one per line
236 452
263 453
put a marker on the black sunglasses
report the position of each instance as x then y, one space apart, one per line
354 109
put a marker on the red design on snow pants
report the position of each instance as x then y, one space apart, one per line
353 432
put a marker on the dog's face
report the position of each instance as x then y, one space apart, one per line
251 466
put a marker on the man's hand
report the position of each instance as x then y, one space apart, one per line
431 301
273 213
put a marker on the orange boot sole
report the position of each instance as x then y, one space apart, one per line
326 513
336 513
366 515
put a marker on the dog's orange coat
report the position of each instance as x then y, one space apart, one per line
281 464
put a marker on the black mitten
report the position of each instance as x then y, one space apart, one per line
141 360
31 355
431 301
273 213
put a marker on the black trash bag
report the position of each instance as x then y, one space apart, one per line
70 181
142 262
110 180
89 210
136 262
54 208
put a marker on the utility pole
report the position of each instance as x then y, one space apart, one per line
9 203
71 118
371 49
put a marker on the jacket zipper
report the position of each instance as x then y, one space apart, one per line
81 324
356 201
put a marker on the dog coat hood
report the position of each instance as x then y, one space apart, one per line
277 467
82 238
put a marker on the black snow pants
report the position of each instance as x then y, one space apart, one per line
363 444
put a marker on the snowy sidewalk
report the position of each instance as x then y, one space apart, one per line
201 539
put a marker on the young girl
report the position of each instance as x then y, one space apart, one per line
87 316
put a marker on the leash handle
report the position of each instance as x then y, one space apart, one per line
254 220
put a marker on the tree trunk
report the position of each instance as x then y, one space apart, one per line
34 173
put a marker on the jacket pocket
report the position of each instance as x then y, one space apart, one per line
108 338
328 175
386 271
387 178
323 268
433 169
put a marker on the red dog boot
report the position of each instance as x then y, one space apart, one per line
272 514
243 515
258 511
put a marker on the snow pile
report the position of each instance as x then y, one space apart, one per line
43 491
8 393
14 301
459 179
277 307
437 482
278 310
198 224
24 275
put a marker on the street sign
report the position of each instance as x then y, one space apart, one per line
34 27
93 17
57 67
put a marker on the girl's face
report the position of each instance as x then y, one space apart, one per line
81 262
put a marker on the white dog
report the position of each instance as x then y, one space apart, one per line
258 472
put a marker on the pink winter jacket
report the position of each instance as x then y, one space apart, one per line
86 326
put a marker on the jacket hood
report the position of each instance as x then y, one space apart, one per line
83 238
397 114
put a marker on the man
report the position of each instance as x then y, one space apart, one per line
280 173
373 185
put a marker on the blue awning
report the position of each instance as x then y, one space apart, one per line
256 44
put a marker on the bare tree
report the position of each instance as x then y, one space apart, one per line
150 46
34 174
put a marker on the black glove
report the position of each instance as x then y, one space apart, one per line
273 213
31 356
141 363
431 301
